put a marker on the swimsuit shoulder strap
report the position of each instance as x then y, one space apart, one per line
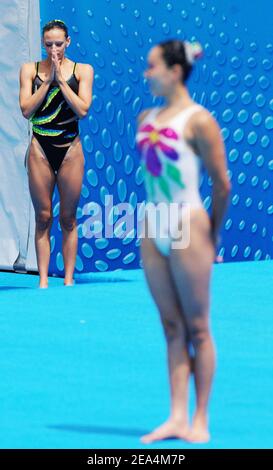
152 113
182 118
74 68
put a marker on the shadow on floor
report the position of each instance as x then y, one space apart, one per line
100 281
98 430
13 288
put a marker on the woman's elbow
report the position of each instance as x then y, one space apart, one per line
226 187
24 111
84 111
222 187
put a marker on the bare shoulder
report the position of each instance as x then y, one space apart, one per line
143 115
203 121
84 70
27 69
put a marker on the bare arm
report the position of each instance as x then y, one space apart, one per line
30 102
79 103
210 146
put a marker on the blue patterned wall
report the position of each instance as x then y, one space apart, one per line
234 81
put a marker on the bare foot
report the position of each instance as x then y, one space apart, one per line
168 430
69 283
199 431
43 284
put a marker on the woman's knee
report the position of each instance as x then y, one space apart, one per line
68 222
173 328
43 219
199 334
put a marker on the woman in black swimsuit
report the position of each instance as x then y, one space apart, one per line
54 95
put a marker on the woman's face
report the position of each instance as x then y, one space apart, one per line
55 40
161 78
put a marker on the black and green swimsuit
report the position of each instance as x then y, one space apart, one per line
54 122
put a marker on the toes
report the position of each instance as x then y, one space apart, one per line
160 436
148 438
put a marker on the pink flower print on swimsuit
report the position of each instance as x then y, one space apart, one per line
158 152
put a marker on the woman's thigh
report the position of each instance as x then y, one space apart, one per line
69 178
41 177
159 278
191 271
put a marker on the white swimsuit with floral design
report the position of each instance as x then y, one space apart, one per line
171 170
170 166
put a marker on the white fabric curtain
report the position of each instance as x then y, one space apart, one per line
19 43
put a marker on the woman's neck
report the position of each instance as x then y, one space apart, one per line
178 98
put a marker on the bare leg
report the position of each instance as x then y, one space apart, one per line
69 181
41 185
159 279
191 269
